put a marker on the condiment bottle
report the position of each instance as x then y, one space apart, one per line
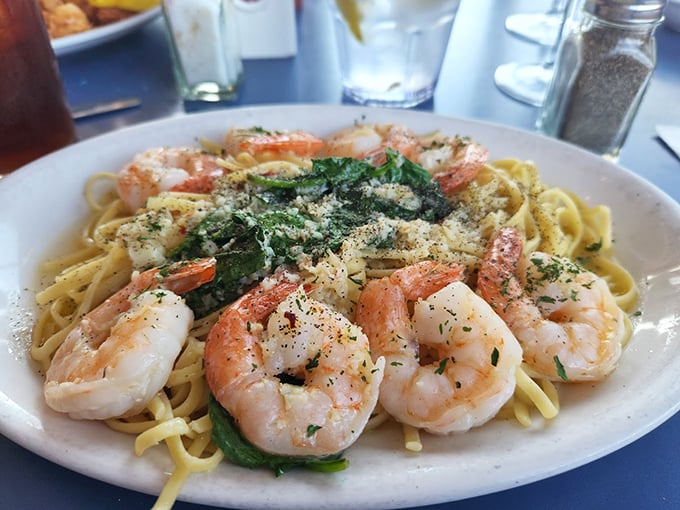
34 115
604 64
204 43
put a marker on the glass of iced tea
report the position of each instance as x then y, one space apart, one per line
34 116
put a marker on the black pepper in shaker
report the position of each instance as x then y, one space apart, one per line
602 70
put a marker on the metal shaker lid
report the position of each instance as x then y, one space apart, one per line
626 11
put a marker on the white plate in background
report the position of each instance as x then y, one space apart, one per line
102 34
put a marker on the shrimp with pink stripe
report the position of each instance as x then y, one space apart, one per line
451 160
566 318
194 170
258 141
121 353
160 169
296 376
450 360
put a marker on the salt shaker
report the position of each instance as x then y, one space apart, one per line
205 48
604 64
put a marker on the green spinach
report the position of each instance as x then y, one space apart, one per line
250 243
240 451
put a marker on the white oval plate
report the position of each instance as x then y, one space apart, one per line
44 200
102 34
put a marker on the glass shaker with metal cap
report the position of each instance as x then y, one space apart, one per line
603 67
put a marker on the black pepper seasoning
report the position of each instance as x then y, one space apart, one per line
602 70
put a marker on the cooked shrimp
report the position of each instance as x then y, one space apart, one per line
369 141
450 365
167 169
121 353
565 317
257 141
452 161
275 333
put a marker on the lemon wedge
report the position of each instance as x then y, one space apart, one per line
352 14
128 5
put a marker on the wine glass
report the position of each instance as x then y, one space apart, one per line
528 82
537 27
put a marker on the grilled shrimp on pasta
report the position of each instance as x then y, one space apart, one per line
451 160
166 169
120 354
450 364
258 141
275 336
565 317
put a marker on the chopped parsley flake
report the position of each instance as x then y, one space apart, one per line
313 362
312 429
560 368
494 357
595 246
442 366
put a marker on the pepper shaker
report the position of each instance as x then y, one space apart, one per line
602 70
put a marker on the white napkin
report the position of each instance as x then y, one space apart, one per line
671 137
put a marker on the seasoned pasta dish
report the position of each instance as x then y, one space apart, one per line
267 298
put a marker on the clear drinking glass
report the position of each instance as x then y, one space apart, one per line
34 116
537 27
390 53
526 81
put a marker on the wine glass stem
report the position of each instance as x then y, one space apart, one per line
557 7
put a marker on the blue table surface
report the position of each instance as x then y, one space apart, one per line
642 475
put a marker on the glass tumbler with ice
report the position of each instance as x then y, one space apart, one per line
391 52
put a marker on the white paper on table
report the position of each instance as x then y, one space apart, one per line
671 137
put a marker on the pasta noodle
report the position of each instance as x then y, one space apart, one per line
506 192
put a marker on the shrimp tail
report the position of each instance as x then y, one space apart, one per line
182 277
203 182
297 142
420 280
500 264
259 303
468 163
178 277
